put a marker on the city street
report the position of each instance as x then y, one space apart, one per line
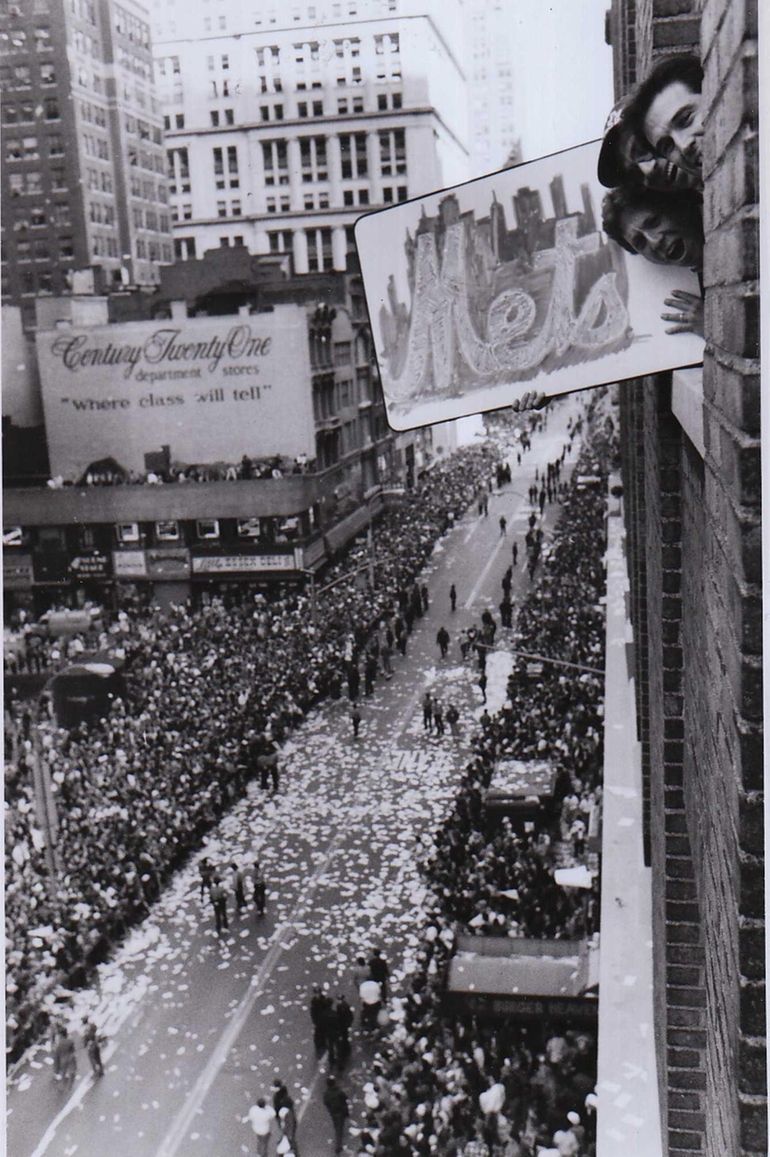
199 1028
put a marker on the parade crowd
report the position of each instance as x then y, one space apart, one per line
211 693
454 1084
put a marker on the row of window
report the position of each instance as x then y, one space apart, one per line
20 76
135 126
21 112
147 190
149 219
136 30
20 41
205 530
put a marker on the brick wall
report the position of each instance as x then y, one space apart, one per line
727 761
694 559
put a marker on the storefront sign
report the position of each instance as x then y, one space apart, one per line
17 571
94 565
232 564
170 562
211 389
130 564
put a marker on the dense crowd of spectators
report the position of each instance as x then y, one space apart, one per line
209 691
451 1084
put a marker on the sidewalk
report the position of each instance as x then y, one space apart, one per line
628 1113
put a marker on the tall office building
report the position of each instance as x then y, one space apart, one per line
84 172
489 62
284 122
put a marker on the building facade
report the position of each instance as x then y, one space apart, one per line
83 175
104 524
285 122
691 472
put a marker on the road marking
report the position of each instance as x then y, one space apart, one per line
184 1118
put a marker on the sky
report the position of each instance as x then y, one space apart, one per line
562 73
563 88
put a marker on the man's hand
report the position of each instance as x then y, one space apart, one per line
532 400
689 319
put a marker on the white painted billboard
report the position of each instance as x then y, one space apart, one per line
212 389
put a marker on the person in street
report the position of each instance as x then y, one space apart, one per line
427 711
287 1123
452 718
238 887
453 597
379 970
206 869
442 638
515 553
319 1015
355 719
483 686
424 596
261 1117
370 995
65 1065
281 1096
260 889
438 718
219 901
343 1023
93 1041
336 1103
503 525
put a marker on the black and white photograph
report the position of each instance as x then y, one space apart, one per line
382 578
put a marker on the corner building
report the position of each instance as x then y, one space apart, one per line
284 122
691 473
83 174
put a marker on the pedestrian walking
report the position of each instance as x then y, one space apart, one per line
355 719
281 1096
65 1065
370 995
425 598
206 869
379 970
319 1015
453 597
260 890
261 1117
343 1014
287 1123
503 525
336 1104
238 887
483 685
438 718
515 553
452 718
219 901
353 677
92 1041
427 711
442 638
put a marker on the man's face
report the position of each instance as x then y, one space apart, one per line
671 238
673 125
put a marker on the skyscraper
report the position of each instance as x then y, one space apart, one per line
83 179
489 63
285 122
